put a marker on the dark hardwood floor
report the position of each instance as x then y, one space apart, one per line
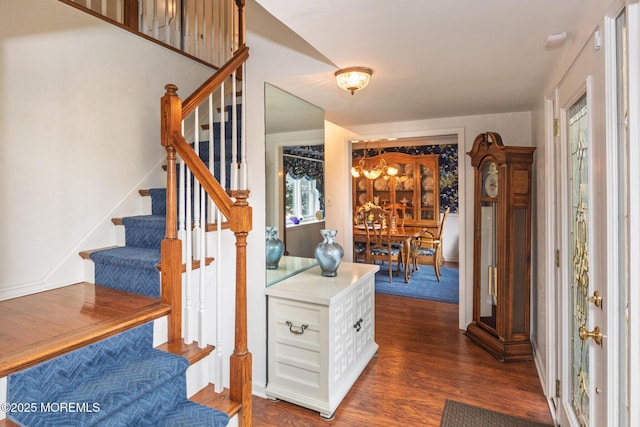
423 360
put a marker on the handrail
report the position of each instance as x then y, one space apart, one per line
200 94
202 174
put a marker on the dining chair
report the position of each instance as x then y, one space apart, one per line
379 247
400 212
427 248
359 249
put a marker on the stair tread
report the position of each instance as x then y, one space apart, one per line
221 401
192 352
64 319
121 254
189 413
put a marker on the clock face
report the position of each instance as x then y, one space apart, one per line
491 181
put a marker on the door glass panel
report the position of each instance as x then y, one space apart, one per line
623 212
579 279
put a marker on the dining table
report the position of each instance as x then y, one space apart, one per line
402 235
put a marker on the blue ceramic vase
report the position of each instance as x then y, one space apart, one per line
329 253
275 248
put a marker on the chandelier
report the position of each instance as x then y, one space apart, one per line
373 172
353 78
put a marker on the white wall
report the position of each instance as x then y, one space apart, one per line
79 135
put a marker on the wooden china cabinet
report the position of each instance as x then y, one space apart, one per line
416 186
501 248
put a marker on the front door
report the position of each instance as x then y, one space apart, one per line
583 234
593 231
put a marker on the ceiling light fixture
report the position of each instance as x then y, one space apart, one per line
353 78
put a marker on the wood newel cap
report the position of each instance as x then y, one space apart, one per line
171 89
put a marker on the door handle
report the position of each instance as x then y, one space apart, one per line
596 299
595 335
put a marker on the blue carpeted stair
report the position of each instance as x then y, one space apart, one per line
122 380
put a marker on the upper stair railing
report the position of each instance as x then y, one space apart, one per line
209 30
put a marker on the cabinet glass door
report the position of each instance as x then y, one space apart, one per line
488 274
427 192
404 184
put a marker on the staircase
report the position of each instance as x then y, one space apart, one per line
121 380
104 371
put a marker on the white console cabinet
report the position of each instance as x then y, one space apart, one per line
321 335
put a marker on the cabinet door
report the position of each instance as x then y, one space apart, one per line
361 194
404 184
343 315
382 193
364 327
429 190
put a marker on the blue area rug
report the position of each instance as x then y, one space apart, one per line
422 284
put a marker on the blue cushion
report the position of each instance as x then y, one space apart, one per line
384 251
425 251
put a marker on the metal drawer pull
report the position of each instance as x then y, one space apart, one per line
297 331
358 325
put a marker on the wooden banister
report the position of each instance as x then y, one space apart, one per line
202 174
200 94
232 204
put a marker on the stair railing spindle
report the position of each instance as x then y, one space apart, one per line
154 23
120 11
182 226
196 187
177 25
210 205
234 136
217 358
188 279
223 140
243 140
203 278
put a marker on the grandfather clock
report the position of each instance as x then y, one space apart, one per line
501 248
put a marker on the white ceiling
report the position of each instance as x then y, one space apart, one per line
430 58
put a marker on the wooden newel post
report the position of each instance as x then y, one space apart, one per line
171 246
240 364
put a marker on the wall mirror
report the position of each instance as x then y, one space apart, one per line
294 135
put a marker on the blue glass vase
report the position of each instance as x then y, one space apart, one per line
329 253
275 248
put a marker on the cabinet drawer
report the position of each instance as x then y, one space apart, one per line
295 323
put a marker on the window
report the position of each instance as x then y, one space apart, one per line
302 198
